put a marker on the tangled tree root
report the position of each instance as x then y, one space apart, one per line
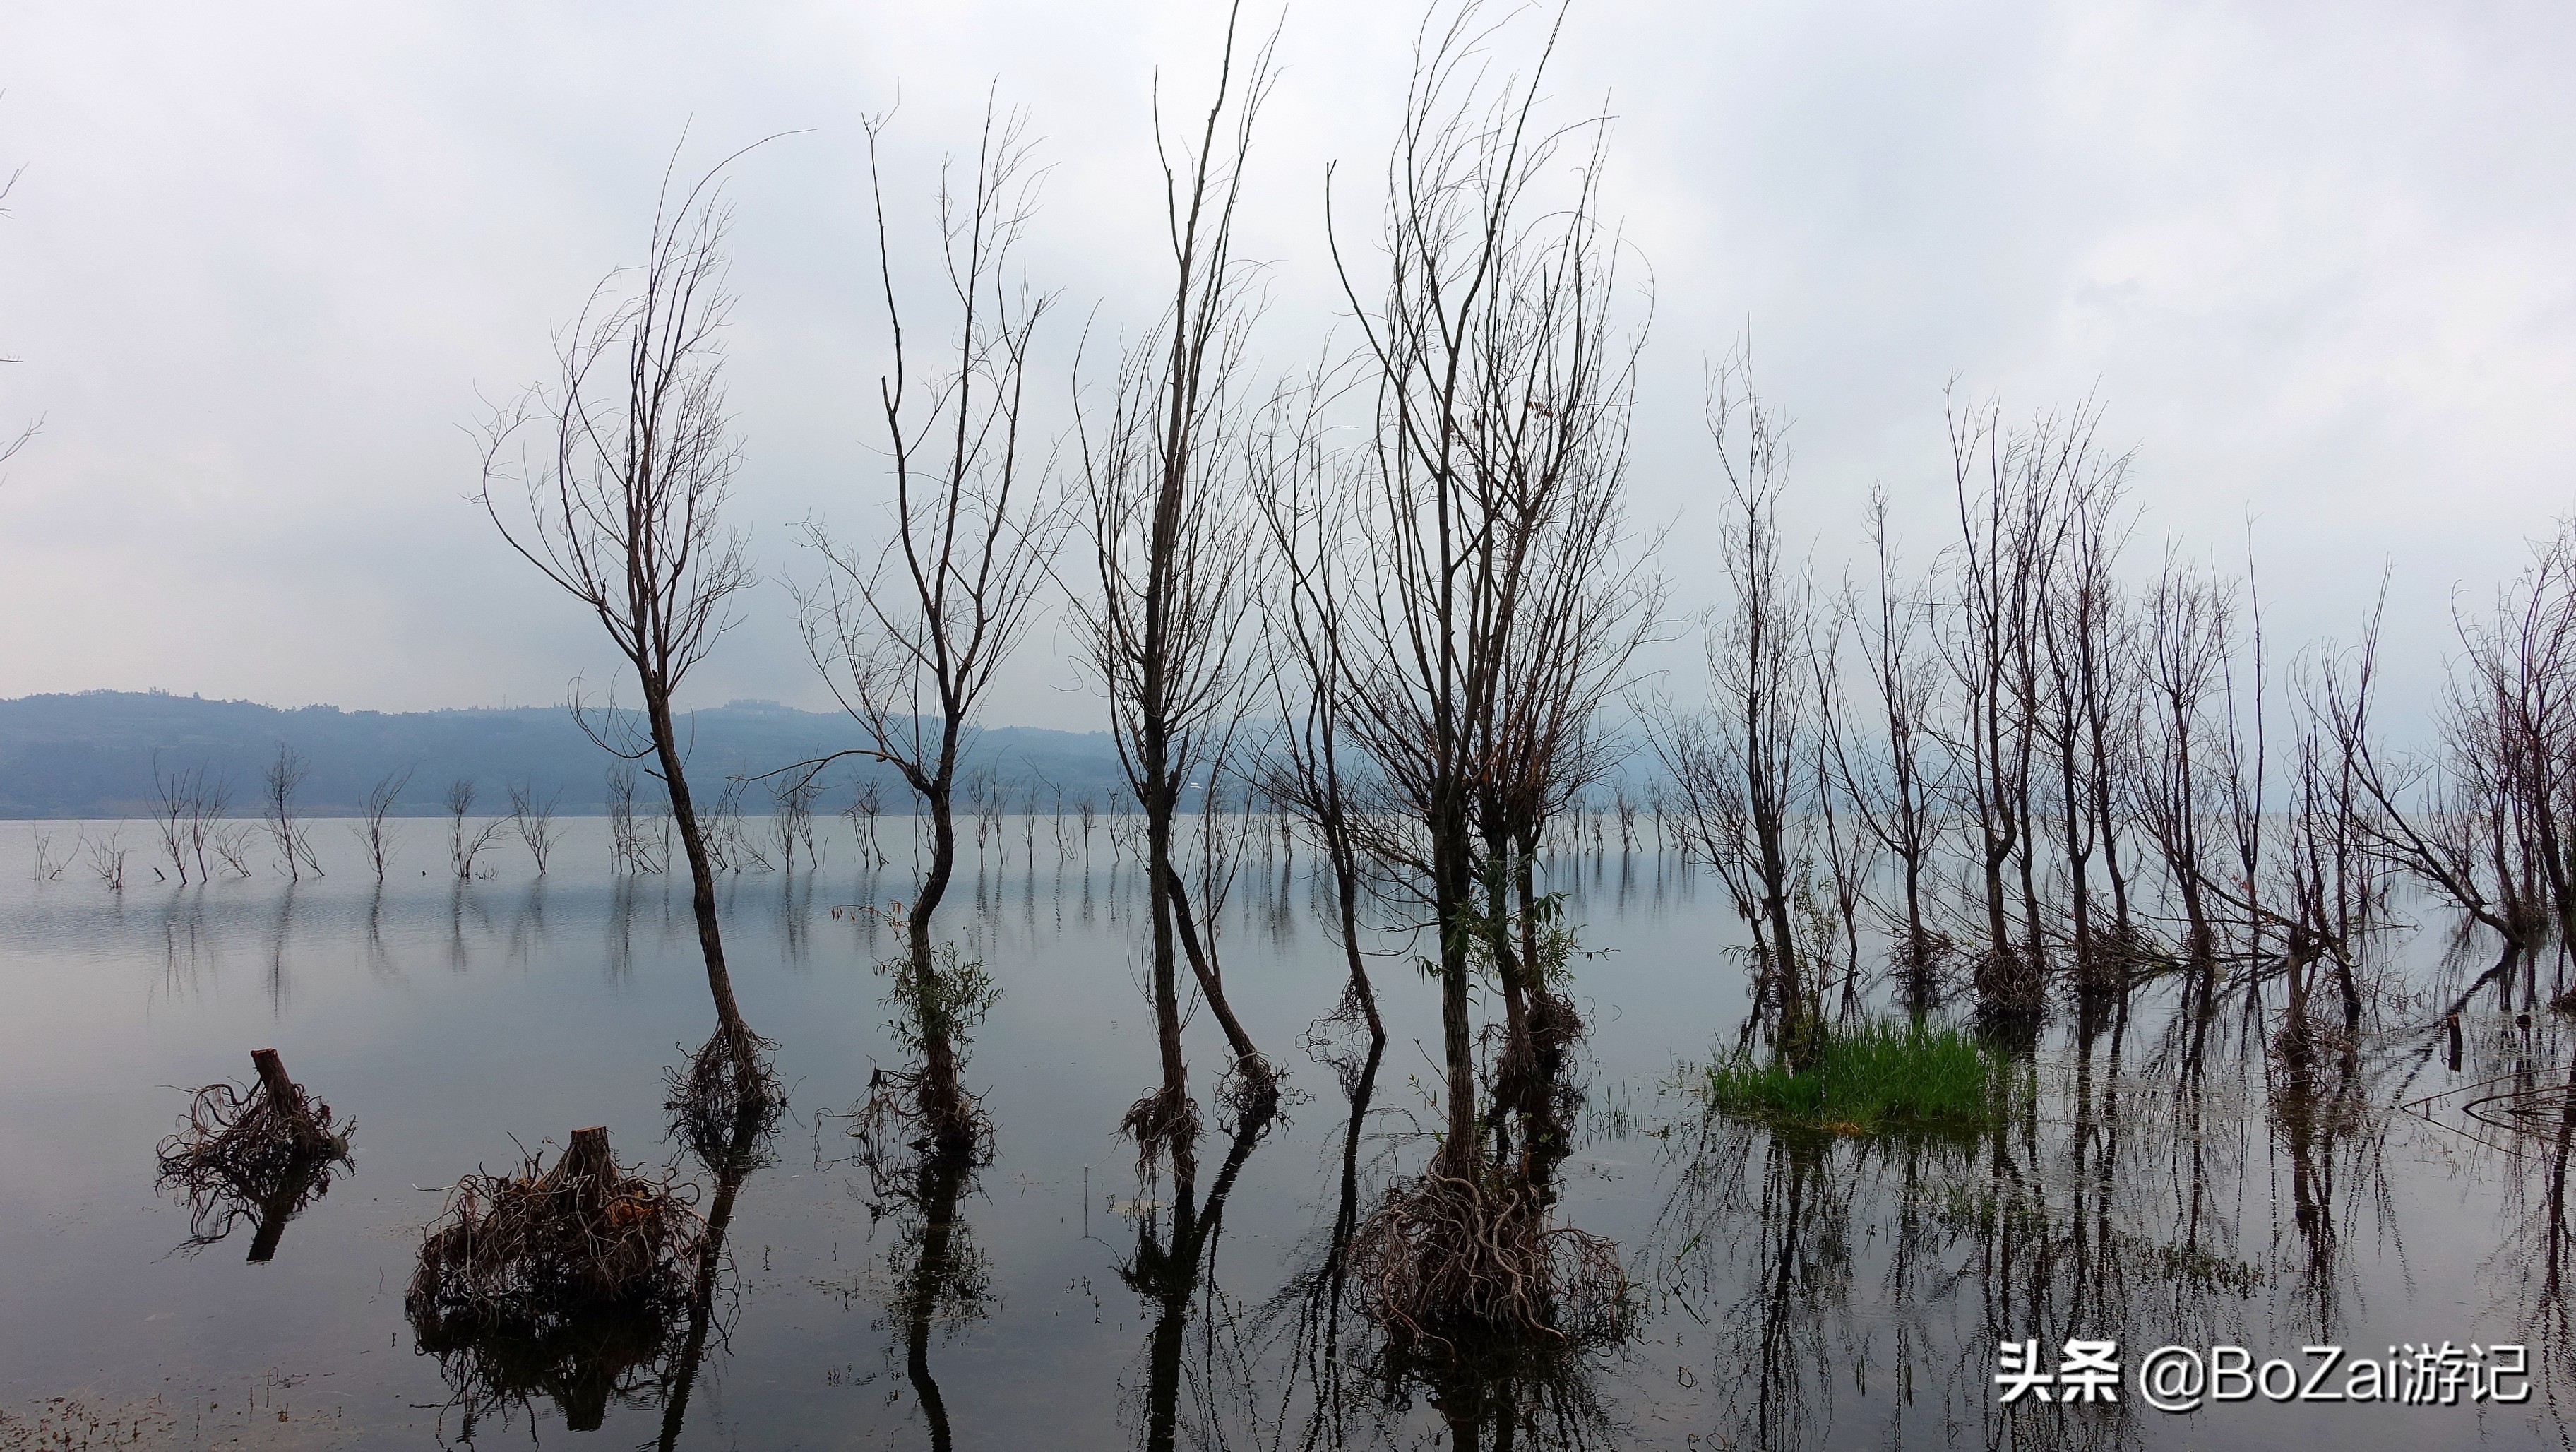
1921 972
2010 984
1530 1075
1459 1269
261 1153
710 1103
1341 1041
529 1255
1164 1121
1249 1093
911 1117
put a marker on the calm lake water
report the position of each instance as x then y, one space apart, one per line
1798 1294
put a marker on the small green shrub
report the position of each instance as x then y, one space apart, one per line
1877 1079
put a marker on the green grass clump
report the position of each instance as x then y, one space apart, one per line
1879 1078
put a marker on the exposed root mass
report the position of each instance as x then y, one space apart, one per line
261 1152
1341 1041
534 1253
2010 984
710 1102
1249 1093
1162 1122
252 1135
1459 1268
1531 1075
914 1115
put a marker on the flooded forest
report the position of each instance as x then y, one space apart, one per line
1448 1031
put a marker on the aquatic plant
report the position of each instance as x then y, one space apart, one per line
1878 1078
939 1000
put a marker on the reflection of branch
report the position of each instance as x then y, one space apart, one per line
1168 1273
751 1125
1315 1303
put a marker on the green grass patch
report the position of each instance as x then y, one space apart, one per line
1879 1078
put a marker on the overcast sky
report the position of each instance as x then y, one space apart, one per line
2318 262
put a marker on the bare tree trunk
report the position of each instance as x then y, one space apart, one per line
909 637
702 886
1173 545
623 511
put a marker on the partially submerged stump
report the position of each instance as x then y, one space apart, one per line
571 1280
260 1152
580 1230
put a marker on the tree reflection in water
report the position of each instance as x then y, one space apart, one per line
2149 1208
941 1279
1172 1263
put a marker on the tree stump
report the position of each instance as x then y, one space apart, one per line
287 1098
587 1169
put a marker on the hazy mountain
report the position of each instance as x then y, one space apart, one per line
93 754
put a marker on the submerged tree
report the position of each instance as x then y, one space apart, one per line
10 444
1740 768
909 634
1307 767
373 831
1489 473
1487 361
279 782
624 490
1897 787
1173 539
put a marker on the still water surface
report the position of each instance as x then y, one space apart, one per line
1795 1294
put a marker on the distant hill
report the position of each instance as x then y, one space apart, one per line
92 754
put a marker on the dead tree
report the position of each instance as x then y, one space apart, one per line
909 634
1463 341
1849 851
12 443
279 783
1550 447
866 801
2514 712
173 792
2332 878
1740 768
792 822
2189 622
1172 538
1896 788
624 496
2004 485
107 859
625 842
2084 700
1307 509
209 799
464 843
232 847
534 817
2433 824
374 830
